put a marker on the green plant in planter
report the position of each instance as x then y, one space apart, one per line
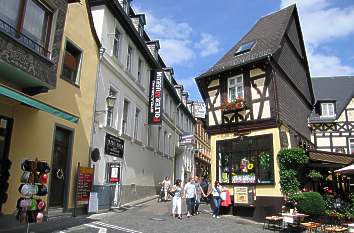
310 203
315 175
264 160
289 184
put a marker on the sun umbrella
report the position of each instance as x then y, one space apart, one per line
346 170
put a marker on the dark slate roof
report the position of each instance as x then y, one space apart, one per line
267 32
339 89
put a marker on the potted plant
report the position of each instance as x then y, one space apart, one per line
264 160
237 104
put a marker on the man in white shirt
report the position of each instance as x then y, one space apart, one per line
190 194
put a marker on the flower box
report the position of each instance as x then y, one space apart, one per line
235 105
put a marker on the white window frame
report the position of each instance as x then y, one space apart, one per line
140 70
351 143
116 42
235 86
129 58
125 128
325 111
112 92
136 123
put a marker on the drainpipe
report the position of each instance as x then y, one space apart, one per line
174 143
98 75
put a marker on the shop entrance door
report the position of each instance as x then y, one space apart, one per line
5 135
59 174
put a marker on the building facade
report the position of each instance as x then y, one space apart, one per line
48 77
144 153
202 156
332 121
258 98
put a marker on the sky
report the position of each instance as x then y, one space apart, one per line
195 34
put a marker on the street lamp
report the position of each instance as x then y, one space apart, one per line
110 102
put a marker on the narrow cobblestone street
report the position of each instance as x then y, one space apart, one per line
149 217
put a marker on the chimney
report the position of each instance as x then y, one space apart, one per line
154 46
139 22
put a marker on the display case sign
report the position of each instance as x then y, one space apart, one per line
244 195
84 185
114 146
199 109
155 103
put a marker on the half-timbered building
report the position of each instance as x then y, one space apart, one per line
258 97
332 120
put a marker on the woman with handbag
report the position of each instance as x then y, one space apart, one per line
177 199
215 191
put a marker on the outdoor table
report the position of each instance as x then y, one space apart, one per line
293 220
351 227
310 226
336 229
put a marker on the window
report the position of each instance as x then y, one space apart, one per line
327 110
235 88
165 142
125 117
30 18
125 5
129 59
246 47
71 64
169 145
149 135
171 107
140 29
116 43
110 113
136 123
246 161
351 145
140 74
158 139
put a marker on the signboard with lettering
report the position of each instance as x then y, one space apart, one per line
84 185
199 109
114 146
186 139
155 98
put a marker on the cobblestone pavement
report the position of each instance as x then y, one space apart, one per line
149 217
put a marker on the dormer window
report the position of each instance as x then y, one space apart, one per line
327 110
235 88
244 48
125 5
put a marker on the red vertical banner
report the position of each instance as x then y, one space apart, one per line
156 98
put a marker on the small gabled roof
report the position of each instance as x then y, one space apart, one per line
267 33
339 89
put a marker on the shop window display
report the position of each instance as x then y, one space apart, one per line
246 160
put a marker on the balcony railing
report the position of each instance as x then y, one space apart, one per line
23 39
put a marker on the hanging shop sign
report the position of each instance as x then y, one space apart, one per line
84 184
199 109
155 103
114 146
186 139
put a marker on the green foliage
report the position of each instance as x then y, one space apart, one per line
310 203
289 184
264 160
290 160
313 174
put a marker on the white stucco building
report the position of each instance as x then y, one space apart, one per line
129 60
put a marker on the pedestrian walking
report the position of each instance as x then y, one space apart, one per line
165 185
215 191
199 194
190 194
205 185
177 199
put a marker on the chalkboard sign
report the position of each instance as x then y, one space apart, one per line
114 146
84 185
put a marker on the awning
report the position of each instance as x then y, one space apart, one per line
331 157
346 170
23 98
